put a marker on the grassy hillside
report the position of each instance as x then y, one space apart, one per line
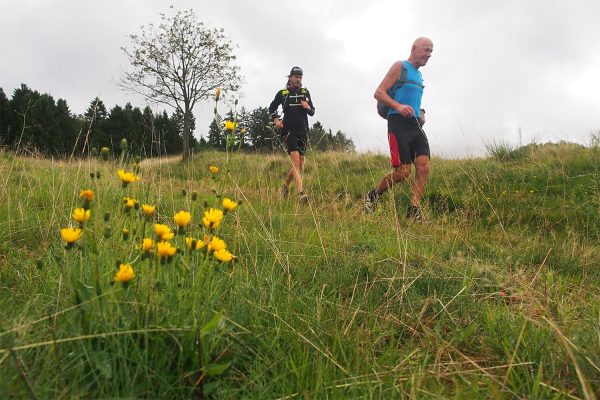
495 294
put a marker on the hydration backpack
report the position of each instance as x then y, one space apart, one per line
382 109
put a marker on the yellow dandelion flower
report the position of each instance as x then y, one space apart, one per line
165 249
214 170
182 219
71 235
230 125
217 93
163 232
87 194
229 204
81 215
223 255
129 203
212 218
216 244
148 209
125 273
147 244
194 244
127 177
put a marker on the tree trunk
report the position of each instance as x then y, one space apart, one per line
186 133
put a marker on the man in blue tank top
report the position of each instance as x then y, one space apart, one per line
407 140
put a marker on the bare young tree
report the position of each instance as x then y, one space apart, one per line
180 62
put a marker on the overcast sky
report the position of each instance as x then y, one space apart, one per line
501 72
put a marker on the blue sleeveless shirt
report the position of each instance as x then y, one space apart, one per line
411 92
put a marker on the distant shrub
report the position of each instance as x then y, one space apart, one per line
595 142
507 152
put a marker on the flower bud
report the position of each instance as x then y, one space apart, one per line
183 192
106 216
123 144
97 174
107 232
105 152
92 175
94 151
125 234
194 196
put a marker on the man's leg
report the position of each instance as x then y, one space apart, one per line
421 175
294 172
399 174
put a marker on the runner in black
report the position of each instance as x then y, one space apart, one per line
297 105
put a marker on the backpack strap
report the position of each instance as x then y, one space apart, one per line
401 81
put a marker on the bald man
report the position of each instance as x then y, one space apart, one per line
407 140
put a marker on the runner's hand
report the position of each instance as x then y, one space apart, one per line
304 104
278 123
405 111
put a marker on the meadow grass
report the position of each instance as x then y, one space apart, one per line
495 294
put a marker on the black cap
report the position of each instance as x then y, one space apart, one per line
296 71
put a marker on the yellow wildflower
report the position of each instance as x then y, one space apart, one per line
182 219
127 177
217 94
87 194
229 204
216 244
214 170
196 243
81 215
147 244
164 249
163 232
148 209
129 202
230 125
71 235
223 255
125 273
212 218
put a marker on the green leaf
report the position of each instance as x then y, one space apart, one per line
216 369
85 291
214 323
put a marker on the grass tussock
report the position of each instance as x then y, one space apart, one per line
493 295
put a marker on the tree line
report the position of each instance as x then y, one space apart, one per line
37 123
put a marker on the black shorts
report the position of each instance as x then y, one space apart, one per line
407 140
296 141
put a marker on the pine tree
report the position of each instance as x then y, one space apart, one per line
4 112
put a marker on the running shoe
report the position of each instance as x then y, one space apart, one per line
413 212
371 200
284 191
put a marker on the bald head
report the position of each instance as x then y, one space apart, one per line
421 51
